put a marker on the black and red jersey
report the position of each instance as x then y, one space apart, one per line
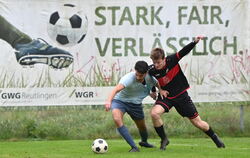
171 77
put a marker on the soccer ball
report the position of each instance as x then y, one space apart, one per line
67 26
99 146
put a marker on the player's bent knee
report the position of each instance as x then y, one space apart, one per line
154 115
117 119
118 122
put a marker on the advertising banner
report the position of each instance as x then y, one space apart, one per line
73 52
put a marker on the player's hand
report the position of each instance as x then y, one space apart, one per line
153 95
198 38
163 93
107 105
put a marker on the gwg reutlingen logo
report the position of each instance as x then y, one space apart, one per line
24 95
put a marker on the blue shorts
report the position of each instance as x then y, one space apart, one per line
135 111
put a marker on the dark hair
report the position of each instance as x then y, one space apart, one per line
157 53
141 66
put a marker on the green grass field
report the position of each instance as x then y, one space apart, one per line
178 148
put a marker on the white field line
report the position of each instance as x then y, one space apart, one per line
209 146
194 145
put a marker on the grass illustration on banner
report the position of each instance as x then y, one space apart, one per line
99 74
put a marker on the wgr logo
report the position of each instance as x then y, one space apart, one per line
82 94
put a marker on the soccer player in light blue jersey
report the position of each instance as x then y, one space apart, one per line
127 97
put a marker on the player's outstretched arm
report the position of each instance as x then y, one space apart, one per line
117 89
185 50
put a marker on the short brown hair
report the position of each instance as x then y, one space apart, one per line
157 53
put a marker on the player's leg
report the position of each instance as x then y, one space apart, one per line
202 125
135 111
156 113
186 108
118 119
197 122
141 125
11 34
117 115
118 110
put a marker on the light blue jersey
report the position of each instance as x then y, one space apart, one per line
134 91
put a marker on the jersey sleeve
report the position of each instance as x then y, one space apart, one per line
155 81
174 58
151 70
126 80
185 50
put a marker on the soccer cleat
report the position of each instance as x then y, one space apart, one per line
217 141
164 143
134 149
41 52
146 145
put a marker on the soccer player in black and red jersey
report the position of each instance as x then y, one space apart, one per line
171 78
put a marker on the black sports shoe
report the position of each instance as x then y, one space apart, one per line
217 141
164 143
134 149
39 51
146 145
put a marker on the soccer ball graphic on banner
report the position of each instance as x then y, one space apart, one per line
99 146
68 25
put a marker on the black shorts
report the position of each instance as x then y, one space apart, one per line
182 103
